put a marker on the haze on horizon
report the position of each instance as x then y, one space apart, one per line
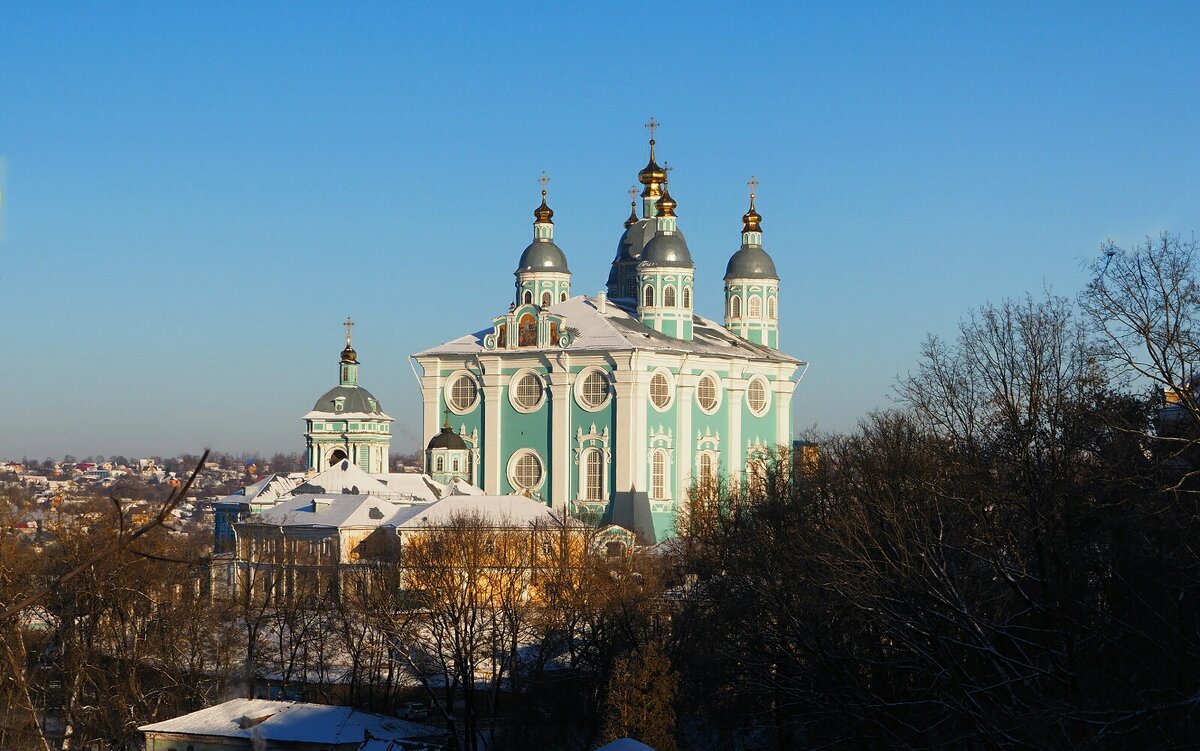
194 198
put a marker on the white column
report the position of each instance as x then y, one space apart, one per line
431 385
734 452
683 435
493 387
560 434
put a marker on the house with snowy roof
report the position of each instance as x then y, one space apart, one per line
264 725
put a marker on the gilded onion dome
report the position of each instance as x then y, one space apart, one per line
543 214
652 174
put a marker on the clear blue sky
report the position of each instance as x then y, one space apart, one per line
196 195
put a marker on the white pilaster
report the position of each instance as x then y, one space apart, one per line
493 391
560 434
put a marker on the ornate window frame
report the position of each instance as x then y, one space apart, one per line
593 440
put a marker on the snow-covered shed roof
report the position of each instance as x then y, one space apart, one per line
500 510
344 477
290 721
330 510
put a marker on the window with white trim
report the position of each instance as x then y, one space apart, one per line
706 472
756 395
525 472
660 390
547 298
658 475
528 391
593 390
687 297
706 392
648 297
463 393
439 465
528 297
593 475
771 307
735 307
562 297
755 306
669 297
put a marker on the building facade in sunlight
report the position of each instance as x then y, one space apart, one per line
611 406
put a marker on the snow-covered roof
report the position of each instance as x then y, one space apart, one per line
291 721
344 477
500 510
330 510
417 486
618 329
458 486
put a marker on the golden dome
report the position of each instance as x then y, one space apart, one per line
543 214
666 205
652 173
349 355
751 219
633 217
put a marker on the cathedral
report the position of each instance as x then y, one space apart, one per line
610 407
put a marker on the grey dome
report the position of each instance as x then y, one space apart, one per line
751 262
356 399
543 255
634 240
447 439
667 250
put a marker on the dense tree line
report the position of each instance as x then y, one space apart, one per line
1007 560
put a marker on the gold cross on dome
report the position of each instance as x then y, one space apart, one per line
667 168
752 185
651 125
349 324
544 180
632 193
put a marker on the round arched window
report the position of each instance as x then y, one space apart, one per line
687 297
735 307
669 297
527 391
660 390
593 390
525 471
462 394
706 392
756 395
546 299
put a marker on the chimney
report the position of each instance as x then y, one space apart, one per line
602 301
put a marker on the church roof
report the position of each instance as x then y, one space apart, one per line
543 255
635 239
751 262
618 329
356 401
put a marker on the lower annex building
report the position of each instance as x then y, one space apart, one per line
609 408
